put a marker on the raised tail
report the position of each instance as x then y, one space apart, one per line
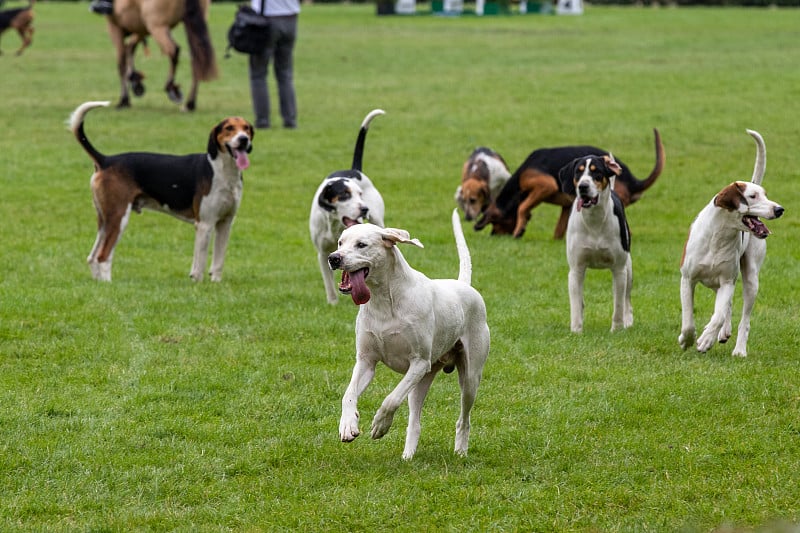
464 260
362 136
761 157
204 62
659 166
76 126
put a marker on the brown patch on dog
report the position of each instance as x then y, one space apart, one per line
540 187
730 197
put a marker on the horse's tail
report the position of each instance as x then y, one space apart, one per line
76 125
204 63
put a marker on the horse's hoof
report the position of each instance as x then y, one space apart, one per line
190 105
137 88
175 95
124 103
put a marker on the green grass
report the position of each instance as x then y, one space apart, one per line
153 403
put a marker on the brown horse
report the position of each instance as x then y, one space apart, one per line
131 23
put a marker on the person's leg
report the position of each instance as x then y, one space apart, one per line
284 69
259 94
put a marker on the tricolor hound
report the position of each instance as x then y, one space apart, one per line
482 178
204 189
414 325
536 181
598 236
725 238
20 19
344 198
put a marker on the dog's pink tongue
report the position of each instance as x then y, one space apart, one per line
242 161
359 290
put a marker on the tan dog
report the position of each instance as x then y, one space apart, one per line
482 178
20 19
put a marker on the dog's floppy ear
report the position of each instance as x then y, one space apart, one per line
392 236
612 165
731 197
566 176
213 149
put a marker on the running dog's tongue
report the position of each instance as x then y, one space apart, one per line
242 161
360 291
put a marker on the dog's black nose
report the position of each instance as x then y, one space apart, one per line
778 211
335 260
583 187
364 211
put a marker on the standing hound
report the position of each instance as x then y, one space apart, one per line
482 178
598 236
414 325
344 198
204 189
725 238
20 19
536 181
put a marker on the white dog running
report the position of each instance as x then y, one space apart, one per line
598 236
344 198
414 325
726 237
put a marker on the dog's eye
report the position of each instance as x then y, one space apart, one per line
592 168
344 196
361 244
581 168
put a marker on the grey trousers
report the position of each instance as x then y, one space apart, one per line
281 50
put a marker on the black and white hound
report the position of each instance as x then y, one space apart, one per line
204 189
598 236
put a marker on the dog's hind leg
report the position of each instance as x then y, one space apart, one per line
110 228
470 371
750 265
416 399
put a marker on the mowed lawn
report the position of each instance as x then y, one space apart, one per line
154 403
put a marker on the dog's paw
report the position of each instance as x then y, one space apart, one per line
706 341
686 339
381 423
348 428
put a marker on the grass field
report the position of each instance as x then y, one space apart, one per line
153 403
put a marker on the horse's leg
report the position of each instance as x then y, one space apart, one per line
118 39
134 76
170 49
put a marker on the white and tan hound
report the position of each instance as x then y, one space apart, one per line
204 189
727 237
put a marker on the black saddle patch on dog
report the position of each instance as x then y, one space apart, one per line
171 180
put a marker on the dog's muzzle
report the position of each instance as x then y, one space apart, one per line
335 261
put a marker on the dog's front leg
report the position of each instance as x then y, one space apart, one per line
622 316
416 399
750 266
221 238
722 306
202 239
417 369
363 373
686 338
576 277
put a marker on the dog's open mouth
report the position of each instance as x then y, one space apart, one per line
240 155
354 285
586 202
756 227
347 221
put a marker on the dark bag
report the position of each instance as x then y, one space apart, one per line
249 33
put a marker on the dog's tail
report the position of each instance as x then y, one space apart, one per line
358 153
761 157
643 185
464 260
76 125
